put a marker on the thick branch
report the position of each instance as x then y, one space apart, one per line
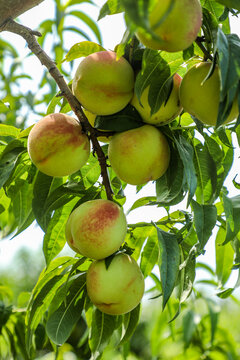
29 36
14 8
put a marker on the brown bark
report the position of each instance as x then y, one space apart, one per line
14 8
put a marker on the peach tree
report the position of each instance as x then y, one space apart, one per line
159 119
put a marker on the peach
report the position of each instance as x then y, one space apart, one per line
57 145
117 289
96 228
177 30
139 155
201 98
103 84
167 112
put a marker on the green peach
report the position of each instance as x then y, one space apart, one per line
201 98
117 289
167 111
103 84
57 145
96 228
139 155
178 29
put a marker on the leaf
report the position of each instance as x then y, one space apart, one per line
41 190
54 239
232 213
40 305
124 120
149 255
186 152
187 277
205 217
60 324
234 4
89 22
189 327
169 259
82 49
170 188
144 201
110 7
224 257
101 331
8 130
130 321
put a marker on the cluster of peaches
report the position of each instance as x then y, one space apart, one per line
57 145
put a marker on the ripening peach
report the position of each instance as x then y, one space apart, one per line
201 98
96 228
103 84
139 155
117 289
167 112
175 28
57 145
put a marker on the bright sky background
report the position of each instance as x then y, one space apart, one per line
112 29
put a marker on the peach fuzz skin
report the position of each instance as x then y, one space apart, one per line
186 15
103 84
96 228
117 289
167 112
57 145
139 155
201 99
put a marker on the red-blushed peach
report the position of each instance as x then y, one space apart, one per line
117 289
201 98
139 155
175 28
103 84
96 228
57 145
167 112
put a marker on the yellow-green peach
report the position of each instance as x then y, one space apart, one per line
117 289
96 228
103 84
167 112
57 145
175 28
201 98
139 155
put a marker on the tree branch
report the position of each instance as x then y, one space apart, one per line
29 35
14 8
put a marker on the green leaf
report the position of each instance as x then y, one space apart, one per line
124 120
82 49
41 190
54 239
89 22
110 7
205 217
234 4
224 257
186 152
149 255
169 259
144 201
8 130
187 277
60 324
101 331
189 327
130 321
170 188
232 213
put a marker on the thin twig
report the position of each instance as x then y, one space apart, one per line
207 55
29 35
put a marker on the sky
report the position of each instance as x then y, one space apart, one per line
112 29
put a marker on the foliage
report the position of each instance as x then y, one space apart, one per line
59 312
